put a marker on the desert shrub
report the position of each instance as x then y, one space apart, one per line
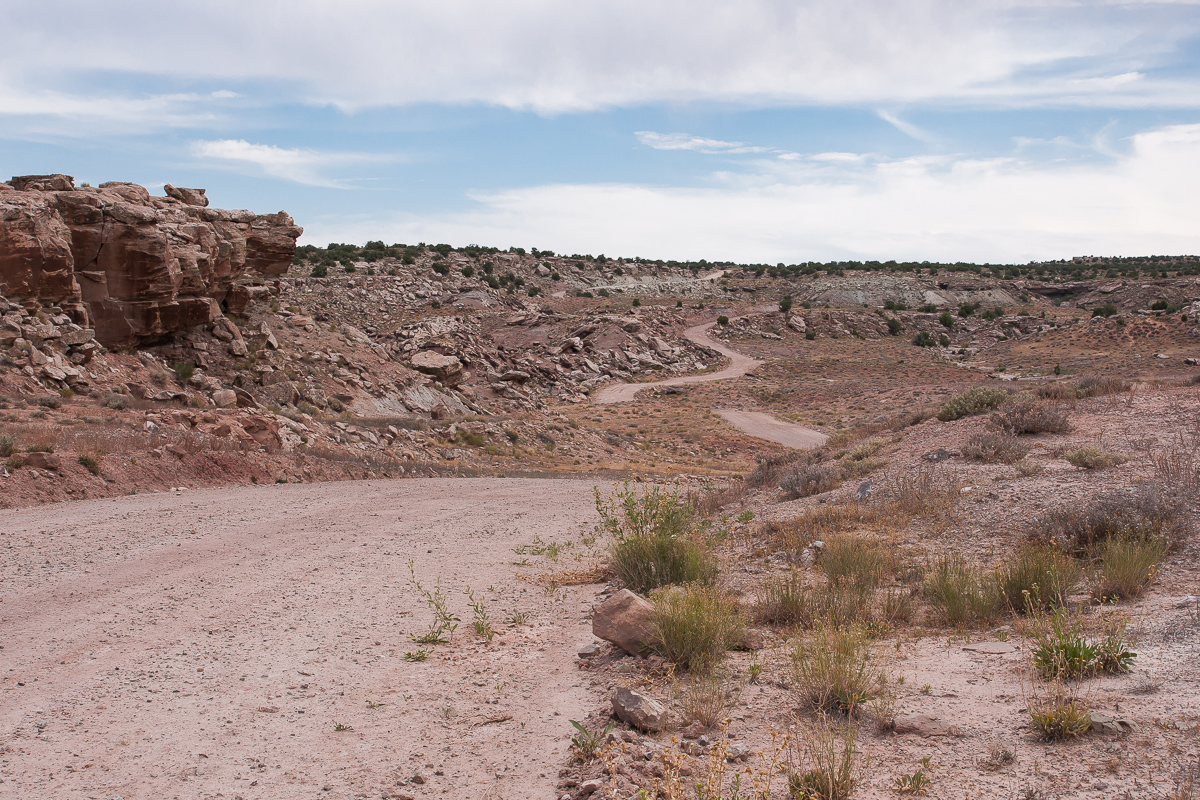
854 561
821 523
1060 715
1039 577
1025 414
962 594
865 466
319 271
705 698
722 320
40 447
653 542
8 445
1178 467
784 600
1106 310
770 467
183 371
1128 564
836 669
695 624
946 319
920 492
1094 458
924 339
1099 385
1062 652
116 402
824 765
993 448
90 464
975 400
894 327
809 479
1144 511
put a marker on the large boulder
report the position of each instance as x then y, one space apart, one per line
134 267
447 369
626 620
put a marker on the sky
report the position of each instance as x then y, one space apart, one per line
743 130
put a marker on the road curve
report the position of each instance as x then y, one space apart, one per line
764 426
739 365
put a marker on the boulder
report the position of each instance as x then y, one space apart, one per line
797 323
447 369
639 710
47 461
625 619
224 398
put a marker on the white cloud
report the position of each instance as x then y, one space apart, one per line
1000 210
907 128
685 141
552 56
293 164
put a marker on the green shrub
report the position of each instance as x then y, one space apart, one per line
947 320
1128 564
694 625
319 271
1039 577
975 400
924 339
1094 458
183 372
894 327
784 600
1106 310
90 464
962 594
785 304
826 766
722 320
1060 716
40 447
967 309
1061 651
653 541
8 445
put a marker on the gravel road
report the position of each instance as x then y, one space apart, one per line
190 644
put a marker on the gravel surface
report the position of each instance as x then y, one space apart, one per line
207 643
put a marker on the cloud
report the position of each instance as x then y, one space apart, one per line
293 164
997 210
685 141
554 57
907 128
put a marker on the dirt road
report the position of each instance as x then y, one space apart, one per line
739 365
190 644
764 426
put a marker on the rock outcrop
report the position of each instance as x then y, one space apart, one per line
133 267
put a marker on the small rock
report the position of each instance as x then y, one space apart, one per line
46 461
941 454
922 725
589 787
751 640
1103 723
737 752
639 710
588 651
864 491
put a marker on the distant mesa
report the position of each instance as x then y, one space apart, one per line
134 267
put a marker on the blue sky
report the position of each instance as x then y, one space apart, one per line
750 131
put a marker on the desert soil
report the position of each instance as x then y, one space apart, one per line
206 643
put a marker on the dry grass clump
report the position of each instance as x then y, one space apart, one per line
975 400
1144 510
1039 577
823 763
922 492
1026 414
962 594
823 522
837 669
1128 565
8 445
809 479
1094 458
785 600
695 624
654 542
854 561
771 467
1100 385
1178 467
995 448
706 698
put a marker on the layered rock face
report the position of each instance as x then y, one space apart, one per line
134 267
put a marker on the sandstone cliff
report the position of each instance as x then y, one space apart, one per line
134 267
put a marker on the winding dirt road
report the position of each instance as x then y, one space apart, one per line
739 365
251 641
752 423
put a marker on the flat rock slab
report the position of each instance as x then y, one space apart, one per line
923 725
991 648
